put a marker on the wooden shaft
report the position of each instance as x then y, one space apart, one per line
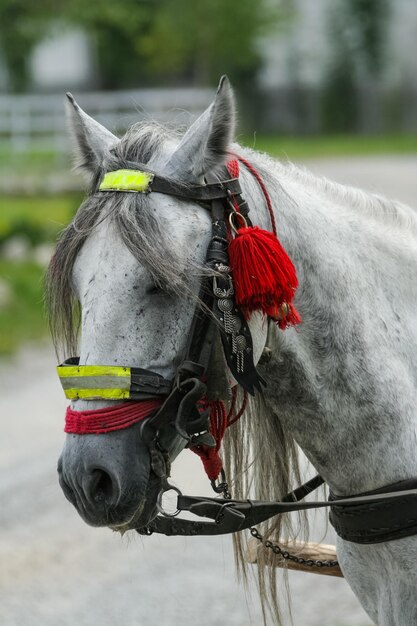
305 550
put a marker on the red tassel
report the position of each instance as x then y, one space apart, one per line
263 274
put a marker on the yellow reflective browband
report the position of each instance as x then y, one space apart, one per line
95 381
127 180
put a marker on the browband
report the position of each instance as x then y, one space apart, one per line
141 181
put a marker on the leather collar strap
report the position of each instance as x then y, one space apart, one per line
378 521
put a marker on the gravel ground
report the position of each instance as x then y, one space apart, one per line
56 571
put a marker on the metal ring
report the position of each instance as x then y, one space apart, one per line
159 501
237 216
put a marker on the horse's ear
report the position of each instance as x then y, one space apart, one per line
91 140
205 145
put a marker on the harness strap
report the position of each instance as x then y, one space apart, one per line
230 516
380 520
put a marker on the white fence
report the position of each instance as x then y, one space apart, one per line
34 123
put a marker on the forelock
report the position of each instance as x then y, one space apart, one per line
145 142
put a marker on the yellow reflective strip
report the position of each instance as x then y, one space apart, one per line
91 394
72 371
95 382
126 180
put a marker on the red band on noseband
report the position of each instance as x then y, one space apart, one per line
111 418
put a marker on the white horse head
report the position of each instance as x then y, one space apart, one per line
134 262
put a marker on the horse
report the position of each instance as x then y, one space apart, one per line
342 384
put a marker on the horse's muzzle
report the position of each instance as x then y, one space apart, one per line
107 477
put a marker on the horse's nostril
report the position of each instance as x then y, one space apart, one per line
101 487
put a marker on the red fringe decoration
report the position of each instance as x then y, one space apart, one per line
264 276
219 421
210 457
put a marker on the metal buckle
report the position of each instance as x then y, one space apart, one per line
222 487
167 487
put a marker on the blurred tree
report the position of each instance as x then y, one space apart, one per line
338 97
357 34
167 40
370 20
146 41
22 25
114 28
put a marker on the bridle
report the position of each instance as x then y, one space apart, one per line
372 517
175 401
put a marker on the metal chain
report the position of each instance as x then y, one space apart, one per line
223 487
276 549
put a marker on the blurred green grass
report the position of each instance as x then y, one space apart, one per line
281 146
22 319
32 160
39 219
36 221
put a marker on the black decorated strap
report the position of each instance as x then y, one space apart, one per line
236 337
235 332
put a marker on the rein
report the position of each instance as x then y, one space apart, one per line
394 512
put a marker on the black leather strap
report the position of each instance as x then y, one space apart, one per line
212 190
378 521
303 491
231 516
202 193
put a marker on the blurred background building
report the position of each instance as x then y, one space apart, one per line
301 66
